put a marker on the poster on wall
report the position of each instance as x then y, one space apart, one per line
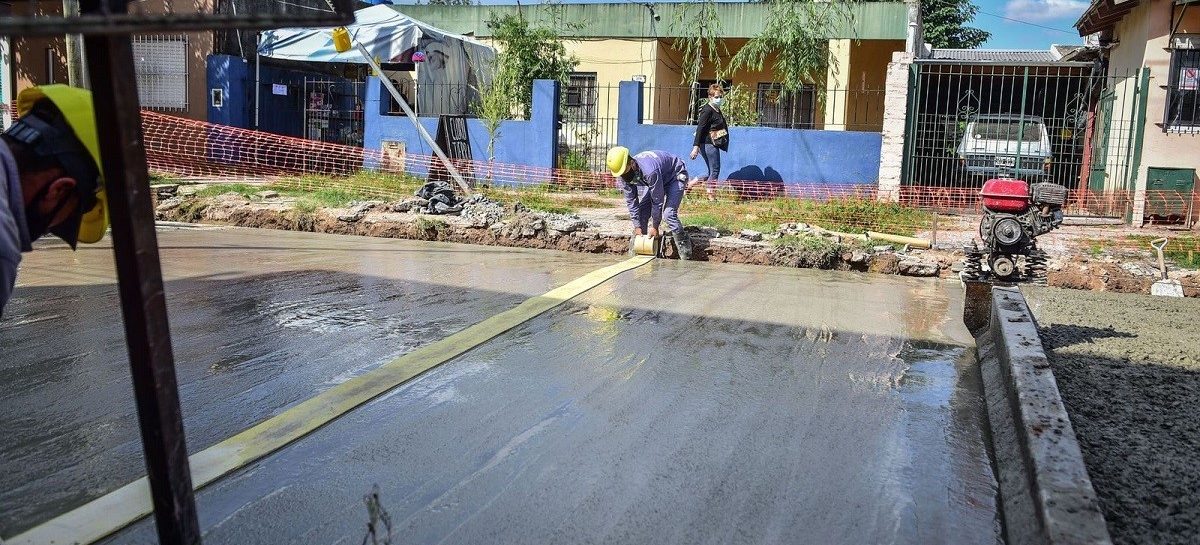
1189 79
392 156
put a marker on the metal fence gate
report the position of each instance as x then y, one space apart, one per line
1065 123
333 111
588 127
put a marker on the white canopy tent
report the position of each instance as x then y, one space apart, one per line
380 34
450 68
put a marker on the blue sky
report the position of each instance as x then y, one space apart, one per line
1011 34
1014 24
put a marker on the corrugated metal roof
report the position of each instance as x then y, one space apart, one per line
627 19
1010 56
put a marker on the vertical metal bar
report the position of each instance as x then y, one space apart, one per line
1021 126
139 278
258 84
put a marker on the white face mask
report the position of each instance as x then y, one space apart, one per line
716 101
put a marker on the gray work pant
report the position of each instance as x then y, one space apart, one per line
674 195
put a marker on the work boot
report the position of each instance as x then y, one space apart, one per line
683 244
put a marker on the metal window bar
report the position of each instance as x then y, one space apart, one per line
161 64
810 108
588 124
1064 124
1183 92
795 111
581 96
333 111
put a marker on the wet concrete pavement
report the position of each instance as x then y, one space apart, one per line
676 403
261 320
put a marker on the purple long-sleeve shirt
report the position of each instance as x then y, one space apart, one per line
14 234
658 168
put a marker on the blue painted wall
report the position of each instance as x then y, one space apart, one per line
279 114
531 143
230 75
790 156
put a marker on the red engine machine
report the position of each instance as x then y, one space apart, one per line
1014 215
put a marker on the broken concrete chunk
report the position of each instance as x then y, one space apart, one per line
751 235
358 210
164 191
916 267
169 204
267 194
563 223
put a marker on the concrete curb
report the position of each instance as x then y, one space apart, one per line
1045 491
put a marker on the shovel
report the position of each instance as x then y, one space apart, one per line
1164 287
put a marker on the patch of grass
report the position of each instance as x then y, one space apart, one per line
162 178
336 191
431 225
191 210
728 223
806 243
244 190
846 215
305 206
557 203
1183 250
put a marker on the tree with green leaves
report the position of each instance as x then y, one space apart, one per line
944 24
528 53
698 28
450 2
797 33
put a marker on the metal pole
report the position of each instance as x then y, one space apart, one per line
139 279
74 43
257 87
1021 126
387 83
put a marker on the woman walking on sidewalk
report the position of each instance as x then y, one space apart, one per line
712 137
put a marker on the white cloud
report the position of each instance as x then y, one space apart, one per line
1038 11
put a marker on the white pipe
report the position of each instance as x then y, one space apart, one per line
413 117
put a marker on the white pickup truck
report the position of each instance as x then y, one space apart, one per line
992 144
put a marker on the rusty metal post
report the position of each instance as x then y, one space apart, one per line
139 276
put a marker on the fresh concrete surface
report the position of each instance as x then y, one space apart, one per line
676 403
1128 367
261 320
1047 496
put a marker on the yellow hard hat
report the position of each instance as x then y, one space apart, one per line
618 160
76 107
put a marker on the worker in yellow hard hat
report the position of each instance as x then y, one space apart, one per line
50 177
654 183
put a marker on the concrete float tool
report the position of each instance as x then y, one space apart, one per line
1164 287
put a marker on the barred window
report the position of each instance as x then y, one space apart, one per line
161 63
581 97
1183 93
795 111
700 97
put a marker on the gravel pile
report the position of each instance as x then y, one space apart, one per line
1128 367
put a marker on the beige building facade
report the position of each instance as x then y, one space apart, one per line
1153 59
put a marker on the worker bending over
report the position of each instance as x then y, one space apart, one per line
654 185
49 176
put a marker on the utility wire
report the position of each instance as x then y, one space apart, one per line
1028 23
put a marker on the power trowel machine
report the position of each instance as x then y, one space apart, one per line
1015 213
